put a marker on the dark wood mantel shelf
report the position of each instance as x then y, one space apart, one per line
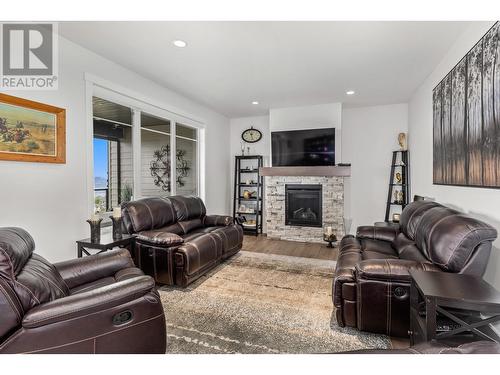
323 171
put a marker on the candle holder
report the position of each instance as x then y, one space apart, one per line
95 230
329 235
117 227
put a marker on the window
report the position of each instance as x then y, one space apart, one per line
133 151
113 173
155 156
187 160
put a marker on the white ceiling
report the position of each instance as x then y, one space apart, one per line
227 65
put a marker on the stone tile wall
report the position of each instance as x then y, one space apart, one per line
333 208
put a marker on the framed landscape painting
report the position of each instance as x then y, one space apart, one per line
31 131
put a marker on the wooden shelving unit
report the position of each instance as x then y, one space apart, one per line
246 168
400 163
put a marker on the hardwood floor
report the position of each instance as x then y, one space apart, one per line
262 244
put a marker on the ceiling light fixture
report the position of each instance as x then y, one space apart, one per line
350 92
255 102
179 43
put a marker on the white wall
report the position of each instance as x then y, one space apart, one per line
481 203
50 200
369 135
310 117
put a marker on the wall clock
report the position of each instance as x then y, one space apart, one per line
251 135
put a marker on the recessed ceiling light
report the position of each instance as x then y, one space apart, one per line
179 43
255 102
350 92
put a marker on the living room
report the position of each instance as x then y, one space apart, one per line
233 185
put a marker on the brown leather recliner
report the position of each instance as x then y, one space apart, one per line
372 283
176 241
96 304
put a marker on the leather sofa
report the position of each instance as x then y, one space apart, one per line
176 241
372 283
96 304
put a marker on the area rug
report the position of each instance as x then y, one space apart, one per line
260 303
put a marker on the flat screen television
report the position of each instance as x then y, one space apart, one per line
312 147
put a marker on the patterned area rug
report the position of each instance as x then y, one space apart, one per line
260 303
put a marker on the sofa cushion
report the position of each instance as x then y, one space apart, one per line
16 247
374 249
407 249
190 225
39 282
455 238
34 280
200 252
411 216
231 237
188 207
148 213
159 237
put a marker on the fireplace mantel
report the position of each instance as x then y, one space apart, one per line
322 171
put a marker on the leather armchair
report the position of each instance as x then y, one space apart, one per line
97 304
372 281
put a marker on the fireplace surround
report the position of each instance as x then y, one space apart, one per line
332 207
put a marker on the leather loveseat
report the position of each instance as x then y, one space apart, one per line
176 241
372 283
96 304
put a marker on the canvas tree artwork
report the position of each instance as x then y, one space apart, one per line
466 118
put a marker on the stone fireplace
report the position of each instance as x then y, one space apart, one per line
278 208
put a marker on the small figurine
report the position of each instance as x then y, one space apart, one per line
398 177
402 141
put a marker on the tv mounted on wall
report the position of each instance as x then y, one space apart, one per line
313 147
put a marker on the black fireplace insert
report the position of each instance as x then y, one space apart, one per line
303 205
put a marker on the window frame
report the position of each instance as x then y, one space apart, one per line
95 86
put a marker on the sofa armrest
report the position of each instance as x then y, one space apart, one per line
391 269
159 238
386 233
81 304
76 272
217 220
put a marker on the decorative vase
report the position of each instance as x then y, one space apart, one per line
117 227
95 230
347 225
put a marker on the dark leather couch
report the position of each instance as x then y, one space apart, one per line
372 282
97 304
176 241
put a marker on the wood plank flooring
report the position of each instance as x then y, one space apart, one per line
262 244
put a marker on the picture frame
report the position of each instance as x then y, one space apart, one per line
31 131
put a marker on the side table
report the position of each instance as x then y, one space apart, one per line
465 303
106 243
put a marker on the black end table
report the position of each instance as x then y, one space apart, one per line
106 243
469 304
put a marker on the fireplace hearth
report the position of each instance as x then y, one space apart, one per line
303 205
